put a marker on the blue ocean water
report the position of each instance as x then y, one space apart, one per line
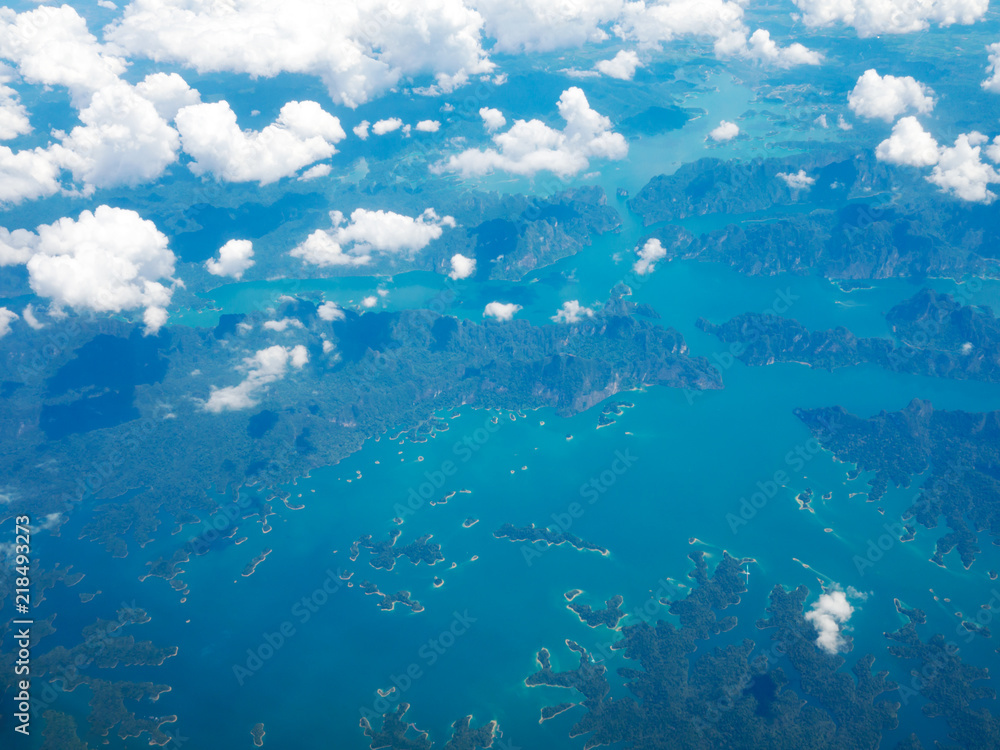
692 461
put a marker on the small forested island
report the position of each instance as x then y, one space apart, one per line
257 560
385 553
611 410
532 533
258 734
388 602
608 617
395 734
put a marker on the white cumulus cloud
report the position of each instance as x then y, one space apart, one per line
387 125
109 260
961 172
330 311
462 267
873 17
13 115
16 247
263 368
7 317
52 46
622 66
31 318
572 312
724 131
763 49
168 92
123 140
500 310
797 180
531 146
235 257
302 134
282 325
653 24
314 173
27 174
352 242
649 254
428 126
545 25
993 69
828 615
358 48
493 119
909 144
886 97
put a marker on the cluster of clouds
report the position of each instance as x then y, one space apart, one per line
393 124
129 134
873 17
652 24
110 260
958 170
302 134
357 48
263 368
361 48
352 242
531 146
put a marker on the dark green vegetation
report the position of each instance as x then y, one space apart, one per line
512 235
608 617
390 369
105 645
781 693
935 335
611 410
384 554
852 231
395 734
954 690
388 602
961 450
